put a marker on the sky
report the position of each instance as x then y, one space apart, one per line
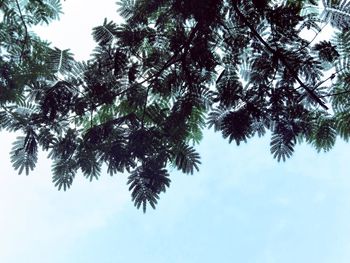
242 206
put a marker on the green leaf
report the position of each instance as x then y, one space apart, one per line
342 122
63 173
337 13
236 125
89 164
106 33
185 158
24 154
324 134
146 182
282 146
60 61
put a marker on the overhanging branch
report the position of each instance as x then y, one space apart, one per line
282 59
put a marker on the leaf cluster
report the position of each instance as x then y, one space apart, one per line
172 69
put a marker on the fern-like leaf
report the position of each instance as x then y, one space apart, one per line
326 51
146 183
44 11
106 33
337 12
216 116
46 139
126 8
282 146
229 87
60 61
186 158
342 120
236 125
24 154
63 173
89 164
324 135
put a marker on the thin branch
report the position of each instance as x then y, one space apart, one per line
144 107
335 94
312 40
25 30
323 81
91 115
118 121
317 85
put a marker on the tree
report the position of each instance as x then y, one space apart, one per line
169 71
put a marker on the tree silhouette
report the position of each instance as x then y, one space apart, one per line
173 68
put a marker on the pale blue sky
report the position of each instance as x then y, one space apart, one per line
242 206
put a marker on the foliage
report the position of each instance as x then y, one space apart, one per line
173 68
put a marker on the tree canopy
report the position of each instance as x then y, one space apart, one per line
172 69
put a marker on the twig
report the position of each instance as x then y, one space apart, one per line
335 94
25 30
144 107
312 40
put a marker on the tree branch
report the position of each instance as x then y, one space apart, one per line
282 59
173 59
185 47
